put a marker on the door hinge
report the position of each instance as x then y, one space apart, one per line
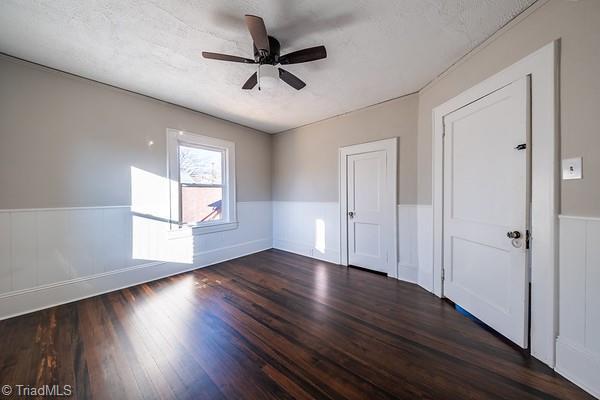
522 146
443 274
527 239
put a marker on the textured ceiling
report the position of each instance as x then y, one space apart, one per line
377 49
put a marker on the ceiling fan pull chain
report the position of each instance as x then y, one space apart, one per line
258 77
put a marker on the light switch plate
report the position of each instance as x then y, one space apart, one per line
572 168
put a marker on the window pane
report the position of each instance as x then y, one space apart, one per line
200 166
201 204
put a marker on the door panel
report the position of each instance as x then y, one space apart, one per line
366 190
367 176
486 195
367 240
472 259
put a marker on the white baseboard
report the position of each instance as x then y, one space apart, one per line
329 255
578 365
25 301
407 273
298 227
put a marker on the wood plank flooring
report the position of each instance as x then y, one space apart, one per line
272 325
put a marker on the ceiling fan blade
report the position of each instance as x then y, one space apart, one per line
251 82
291 79
258 31
306 55
227 57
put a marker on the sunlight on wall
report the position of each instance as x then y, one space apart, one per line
150 212
149 193
320 235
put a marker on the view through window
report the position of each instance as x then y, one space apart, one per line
201 184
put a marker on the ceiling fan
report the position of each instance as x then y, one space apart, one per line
266 55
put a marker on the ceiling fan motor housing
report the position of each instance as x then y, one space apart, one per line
268 58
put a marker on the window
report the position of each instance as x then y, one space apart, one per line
202 180
200 184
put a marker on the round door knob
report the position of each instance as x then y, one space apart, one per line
513 235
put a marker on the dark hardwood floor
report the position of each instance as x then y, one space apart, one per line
272 325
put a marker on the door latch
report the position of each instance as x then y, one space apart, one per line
513 234
351 214
522 146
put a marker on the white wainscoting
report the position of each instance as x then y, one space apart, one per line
407 243
425 246
54 256
578 343
313 229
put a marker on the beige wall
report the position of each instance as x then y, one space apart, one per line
75 131
70 142
576 23
305 160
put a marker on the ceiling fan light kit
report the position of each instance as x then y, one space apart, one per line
267 56
268 76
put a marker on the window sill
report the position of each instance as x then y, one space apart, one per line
204 229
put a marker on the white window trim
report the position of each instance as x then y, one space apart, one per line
229 221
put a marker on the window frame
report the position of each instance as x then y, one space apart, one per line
228 221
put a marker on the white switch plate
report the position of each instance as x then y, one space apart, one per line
572 168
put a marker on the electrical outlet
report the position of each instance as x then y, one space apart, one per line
572 168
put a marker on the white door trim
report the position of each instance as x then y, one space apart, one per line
390 146
542 66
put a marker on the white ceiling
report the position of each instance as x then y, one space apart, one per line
377 49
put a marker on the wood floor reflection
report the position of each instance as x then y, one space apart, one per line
272 325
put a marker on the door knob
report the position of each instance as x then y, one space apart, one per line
513 235
351 214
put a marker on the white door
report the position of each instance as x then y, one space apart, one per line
486 197
368 210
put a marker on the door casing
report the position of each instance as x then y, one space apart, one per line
390 146
542 66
